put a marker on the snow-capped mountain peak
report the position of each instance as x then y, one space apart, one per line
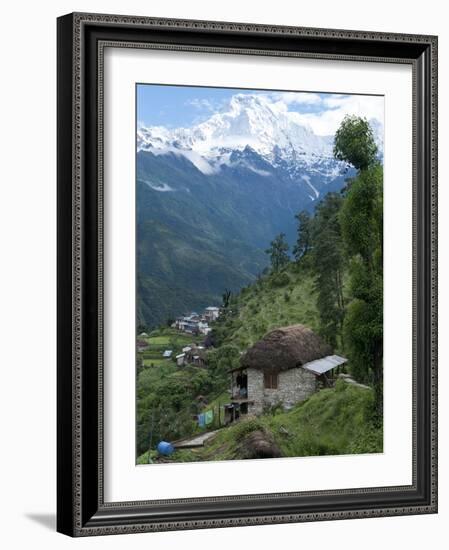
250 120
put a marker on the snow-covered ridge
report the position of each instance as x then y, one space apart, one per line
256 123
251 121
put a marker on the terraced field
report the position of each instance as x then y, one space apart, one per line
161 340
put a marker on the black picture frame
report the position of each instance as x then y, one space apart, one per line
81 510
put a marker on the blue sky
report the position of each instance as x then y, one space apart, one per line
185 106
179 106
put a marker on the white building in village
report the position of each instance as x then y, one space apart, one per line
211 313
196 323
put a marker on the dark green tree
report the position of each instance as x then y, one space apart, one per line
226 297
278 252
361 221
354 142
328 261
304 238
220 362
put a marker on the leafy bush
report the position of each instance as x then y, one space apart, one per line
370 440
279 280
253 308
340 386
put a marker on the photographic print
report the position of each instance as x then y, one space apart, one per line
259 272
247 274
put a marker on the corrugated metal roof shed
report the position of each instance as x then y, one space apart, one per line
320 366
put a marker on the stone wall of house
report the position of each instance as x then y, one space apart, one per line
294 385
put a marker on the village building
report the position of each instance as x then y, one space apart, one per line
211 313
203 327
192 355
188 324
180 359
142 345
196 356
167 353
195 323
178 322
191 327
287 366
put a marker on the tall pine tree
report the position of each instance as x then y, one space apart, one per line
328 262
304 238
278 252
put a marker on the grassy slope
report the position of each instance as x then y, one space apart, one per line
273 301
333 421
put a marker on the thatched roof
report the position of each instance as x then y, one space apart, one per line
285 348
196 351
142 343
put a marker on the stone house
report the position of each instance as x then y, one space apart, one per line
287 366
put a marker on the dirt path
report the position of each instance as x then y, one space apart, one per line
196 441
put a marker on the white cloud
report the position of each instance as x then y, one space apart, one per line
203 104
198 161
259 171
327 121
162 187
300 98
329 109
195 158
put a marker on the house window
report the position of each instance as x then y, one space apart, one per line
270 380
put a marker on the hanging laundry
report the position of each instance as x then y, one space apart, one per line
209 417
201 420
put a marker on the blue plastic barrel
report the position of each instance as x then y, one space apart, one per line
165 448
